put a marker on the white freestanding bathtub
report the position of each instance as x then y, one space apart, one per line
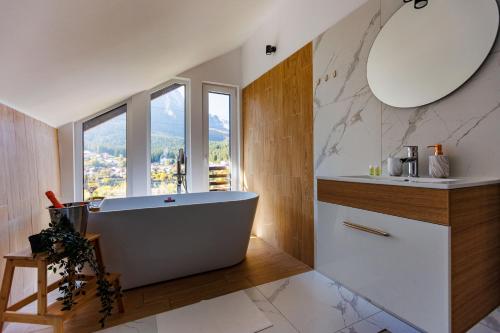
148 240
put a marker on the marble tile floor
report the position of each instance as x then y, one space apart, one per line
304 303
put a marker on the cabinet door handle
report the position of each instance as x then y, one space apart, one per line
374 231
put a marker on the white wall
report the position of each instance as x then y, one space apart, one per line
291 25
65 136
138 146
224 70
353 129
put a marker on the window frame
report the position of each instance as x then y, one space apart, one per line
80 133
234 132
187 127
187 132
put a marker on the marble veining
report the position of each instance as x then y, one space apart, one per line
379 322
305 295
304 303
352 129
314 303
150 324
493 320
464 122
475 124
481 329
388 8
439 166
280 323
343 117
225 314
348 301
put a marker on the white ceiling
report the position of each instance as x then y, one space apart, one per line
62 60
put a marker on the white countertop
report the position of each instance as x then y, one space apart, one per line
436 183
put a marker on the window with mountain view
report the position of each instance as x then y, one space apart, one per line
104 155
168 135
219 145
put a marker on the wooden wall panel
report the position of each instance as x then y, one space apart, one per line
475 254
29 166
429 205
277 153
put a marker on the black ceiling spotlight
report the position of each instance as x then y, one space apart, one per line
418 3
270 49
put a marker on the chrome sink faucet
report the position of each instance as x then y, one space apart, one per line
411 160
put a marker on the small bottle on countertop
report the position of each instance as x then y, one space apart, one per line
439 164
378 170
372 170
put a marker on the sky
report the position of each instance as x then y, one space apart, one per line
218 104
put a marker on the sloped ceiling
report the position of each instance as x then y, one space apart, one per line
62 60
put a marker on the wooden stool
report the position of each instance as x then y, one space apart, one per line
48 315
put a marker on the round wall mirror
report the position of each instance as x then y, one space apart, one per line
422 55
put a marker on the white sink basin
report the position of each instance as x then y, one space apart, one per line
436 183
406 179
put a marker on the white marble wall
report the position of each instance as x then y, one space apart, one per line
347 115
353 129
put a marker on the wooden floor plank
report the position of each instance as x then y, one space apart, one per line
263 264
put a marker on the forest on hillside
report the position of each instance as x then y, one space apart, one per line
105 152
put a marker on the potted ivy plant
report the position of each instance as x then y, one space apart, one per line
68 252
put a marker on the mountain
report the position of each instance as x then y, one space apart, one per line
108 137
218 130
167 118
167 124
167 114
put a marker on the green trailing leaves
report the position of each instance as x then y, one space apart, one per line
68 252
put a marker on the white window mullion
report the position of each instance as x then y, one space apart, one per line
223 97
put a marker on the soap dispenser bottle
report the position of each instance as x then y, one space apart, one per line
439 164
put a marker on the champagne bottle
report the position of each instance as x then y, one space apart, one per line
52 197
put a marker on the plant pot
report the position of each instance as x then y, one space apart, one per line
73 215
36 243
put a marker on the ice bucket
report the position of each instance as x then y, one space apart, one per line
74 214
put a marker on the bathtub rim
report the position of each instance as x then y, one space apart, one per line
252 196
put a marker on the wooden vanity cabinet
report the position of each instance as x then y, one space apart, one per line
429 256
